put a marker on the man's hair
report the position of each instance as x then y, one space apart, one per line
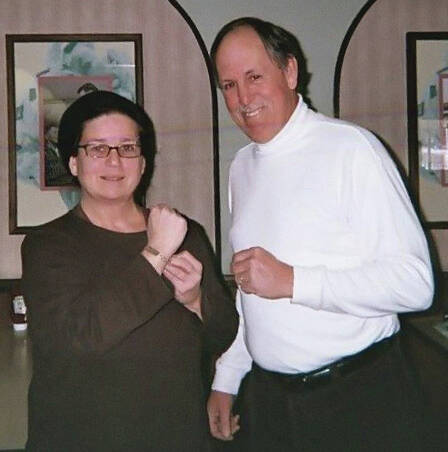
99 103
279 43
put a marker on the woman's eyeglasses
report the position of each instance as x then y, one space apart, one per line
102 150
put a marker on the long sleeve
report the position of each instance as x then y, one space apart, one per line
395 273
233 365
80 300
219 315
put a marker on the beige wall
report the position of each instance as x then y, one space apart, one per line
177 95
373 77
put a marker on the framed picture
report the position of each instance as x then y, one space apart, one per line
46 73
427 91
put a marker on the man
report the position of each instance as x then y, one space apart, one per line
328 250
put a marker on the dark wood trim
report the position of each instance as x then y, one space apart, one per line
213 93
423 327
341 55
411 94
7 285
11 96
13 450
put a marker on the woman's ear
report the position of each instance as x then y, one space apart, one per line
143 166
73 165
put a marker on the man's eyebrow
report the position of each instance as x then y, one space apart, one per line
248 72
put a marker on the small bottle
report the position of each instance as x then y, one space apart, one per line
18 314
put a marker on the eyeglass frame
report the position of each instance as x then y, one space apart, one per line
116 147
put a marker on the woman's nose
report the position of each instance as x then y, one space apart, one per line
113 158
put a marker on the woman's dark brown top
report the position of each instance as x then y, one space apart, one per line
118 364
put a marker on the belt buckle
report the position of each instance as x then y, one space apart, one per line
316 375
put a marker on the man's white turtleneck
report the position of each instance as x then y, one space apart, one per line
324 197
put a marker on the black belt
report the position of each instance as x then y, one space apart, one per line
336 369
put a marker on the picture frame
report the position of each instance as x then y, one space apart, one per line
45 74
427 109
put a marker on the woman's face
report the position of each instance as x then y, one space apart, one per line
113 178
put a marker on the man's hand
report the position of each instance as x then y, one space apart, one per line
259 272
223 424
185 273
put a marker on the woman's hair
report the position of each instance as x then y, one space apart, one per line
99 103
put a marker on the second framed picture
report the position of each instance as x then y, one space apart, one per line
427 89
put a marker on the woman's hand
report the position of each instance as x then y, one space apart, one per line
166 230
185 273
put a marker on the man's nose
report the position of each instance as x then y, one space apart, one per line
244 94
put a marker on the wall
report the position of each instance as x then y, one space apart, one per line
369 95
174 68
177 95
320 25
373 78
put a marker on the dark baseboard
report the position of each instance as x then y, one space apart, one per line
7 285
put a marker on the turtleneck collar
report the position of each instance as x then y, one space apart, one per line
292 131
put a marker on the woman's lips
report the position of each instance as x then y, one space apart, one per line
112 178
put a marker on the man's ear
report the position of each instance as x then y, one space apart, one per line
291 73
73 165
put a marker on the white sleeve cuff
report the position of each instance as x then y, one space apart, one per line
307 286
228 379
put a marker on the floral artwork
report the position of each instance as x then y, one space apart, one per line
47 74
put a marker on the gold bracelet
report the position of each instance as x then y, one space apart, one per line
156 253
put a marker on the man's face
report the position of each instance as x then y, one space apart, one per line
259 94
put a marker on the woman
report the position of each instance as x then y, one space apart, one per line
122 309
